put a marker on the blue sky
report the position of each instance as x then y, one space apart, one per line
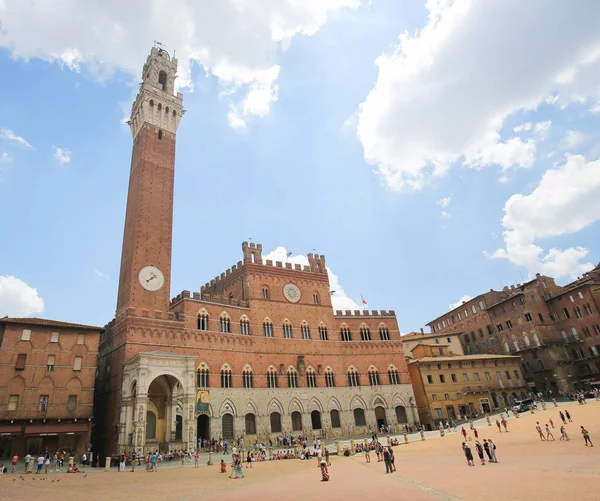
424 151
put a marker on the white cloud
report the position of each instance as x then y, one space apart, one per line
523 127
62 156
573 139
5 158
103 276
339 299
237 41
462 300
444 203
17 299
9 135
543 128
443 95
566 201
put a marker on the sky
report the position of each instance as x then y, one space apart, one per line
431 151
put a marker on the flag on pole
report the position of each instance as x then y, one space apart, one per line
363 299
289 253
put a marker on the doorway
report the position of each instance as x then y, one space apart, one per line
380 417
315 417
296 421
178 427
227 423
203 427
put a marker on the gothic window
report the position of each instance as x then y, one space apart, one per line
373 376
315 298
393 375
292 378
329 378
346 334
311 378
203 321
353 377
244 326
305 330
287 329
162 79
160 135
202 377
250 424
248 378
265 293
384 333
365 333
322 332
272 378
268 328
224 323
226 377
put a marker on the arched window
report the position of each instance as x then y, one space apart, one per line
202 376
365 333
373 376
384 333
335 419
244 326
226 377
315 299
346 333
401 414
526 340
267 328
265 292
305 330
322 332
287 329
292 378
248 378
353 377
359 417
296 421
151 103
203 320
250 424
329 378
393 375
162 79
275 422
311 378
150 425
271 378
224 323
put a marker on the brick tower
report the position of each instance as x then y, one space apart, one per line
145 277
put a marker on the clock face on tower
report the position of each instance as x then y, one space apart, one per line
292 293
151 278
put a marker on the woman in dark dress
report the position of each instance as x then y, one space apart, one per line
480 452
468 454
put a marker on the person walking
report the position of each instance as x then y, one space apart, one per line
562 416
586 437
492 451
327 456
40 465
549 433
27 461
368 453
505 424
387 460
539 430
486 448
392 458
475 433
197 459
563 433
468 454
499 426
464 432
249 460
551 422
479 448
568 416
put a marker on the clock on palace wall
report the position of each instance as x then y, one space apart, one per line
151 278
292 293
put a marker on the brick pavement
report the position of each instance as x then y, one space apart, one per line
431 470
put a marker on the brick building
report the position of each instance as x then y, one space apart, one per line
47 372
257 352
555 329
450 387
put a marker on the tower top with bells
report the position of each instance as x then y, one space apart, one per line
156 102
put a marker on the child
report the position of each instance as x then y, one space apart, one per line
324 472
223 467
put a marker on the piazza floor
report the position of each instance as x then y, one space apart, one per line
431 470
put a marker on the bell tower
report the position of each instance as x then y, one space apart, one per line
145 277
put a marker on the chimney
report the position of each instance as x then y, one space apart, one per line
422 331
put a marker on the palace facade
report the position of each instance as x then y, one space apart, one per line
257 352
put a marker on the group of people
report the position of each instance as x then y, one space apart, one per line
546 434
487 448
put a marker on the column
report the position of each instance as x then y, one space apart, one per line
189 424
139 424
124 424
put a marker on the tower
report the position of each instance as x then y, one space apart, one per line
145 276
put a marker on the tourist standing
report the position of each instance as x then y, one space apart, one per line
586 437
486 448
479 448
493 451
468 454
368 453
392 461
563 433
388 460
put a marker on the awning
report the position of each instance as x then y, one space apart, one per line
10 429
56 429
594 380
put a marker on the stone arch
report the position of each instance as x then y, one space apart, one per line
74 384
153 376
251 408
378 400
47 382
16 385
397 399
334 404
274 406
357 402
315 405
227 407
295 405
